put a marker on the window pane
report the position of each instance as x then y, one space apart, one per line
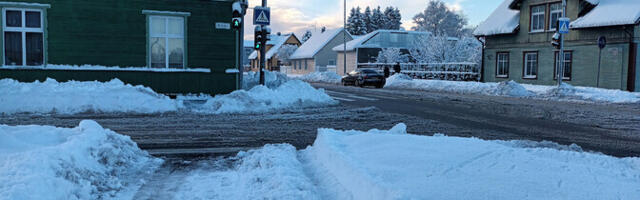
158 25
176 53
158 59
176 26
35 48
33 19
14 18
13 48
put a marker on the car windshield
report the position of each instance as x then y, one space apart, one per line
369 71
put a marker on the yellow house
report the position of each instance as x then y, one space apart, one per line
272 47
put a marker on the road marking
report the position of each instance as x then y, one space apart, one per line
353 96
343 99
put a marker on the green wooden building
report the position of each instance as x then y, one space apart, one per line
172 46
518 37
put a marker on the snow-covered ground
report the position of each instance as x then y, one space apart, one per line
74 97
321 77
510 88
290 94
77 97
89 162
86 162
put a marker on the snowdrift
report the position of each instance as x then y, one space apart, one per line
271 79
74 97
510 88
395 165
272 172
322 77
290 94
86 162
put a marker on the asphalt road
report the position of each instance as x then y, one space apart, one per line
612 129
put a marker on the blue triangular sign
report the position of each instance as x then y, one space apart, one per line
262 18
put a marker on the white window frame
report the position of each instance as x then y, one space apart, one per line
23 30
556 55
331 61
505 65
552 12
528 73
166 38
537 14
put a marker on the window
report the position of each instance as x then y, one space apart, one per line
23 37
537 18
567 65
166 42
502 65
555 12
530 65
331 62
305 65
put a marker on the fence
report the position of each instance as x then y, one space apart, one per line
464 71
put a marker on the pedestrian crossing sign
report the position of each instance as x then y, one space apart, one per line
261 16
563 25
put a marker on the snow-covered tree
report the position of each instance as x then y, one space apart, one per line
306 36
351 21
367 19
393 18
356 22
285 52
391 55
377 19
438 19
443 49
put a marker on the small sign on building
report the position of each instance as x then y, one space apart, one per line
222 25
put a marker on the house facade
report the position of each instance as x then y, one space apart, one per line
364 50
316 54
162 44
273 63
518 46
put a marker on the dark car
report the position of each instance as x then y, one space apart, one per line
364 77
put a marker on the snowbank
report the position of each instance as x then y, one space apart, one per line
322 77
510 88
395 165
77 97
271 79
291 94
272 172
86 162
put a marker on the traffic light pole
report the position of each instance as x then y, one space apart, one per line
262 49
560 58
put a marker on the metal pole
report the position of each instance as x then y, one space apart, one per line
561 53
262 49
599 62
344 36
241 50
238 61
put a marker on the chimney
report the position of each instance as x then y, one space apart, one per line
279 33
323 29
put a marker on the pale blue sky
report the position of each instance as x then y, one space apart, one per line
300 15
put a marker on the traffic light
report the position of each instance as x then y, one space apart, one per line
236 21
267 33
555 40
257 38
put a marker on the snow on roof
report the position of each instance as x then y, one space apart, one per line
610 13
378 39
502 21
277 41
317 41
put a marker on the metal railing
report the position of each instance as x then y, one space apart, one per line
462 71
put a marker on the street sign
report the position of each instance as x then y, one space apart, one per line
602 42
564 25
261 16
222 25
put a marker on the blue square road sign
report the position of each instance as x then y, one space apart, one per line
261 15
563 25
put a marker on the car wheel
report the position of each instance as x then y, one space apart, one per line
379 85
344 83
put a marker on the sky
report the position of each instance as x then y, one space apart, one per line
300 15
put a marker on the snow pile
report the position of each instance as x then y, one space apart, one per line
395 165
510 88
77 97
271 172
86 162
271 79
502 21
322 77
291 94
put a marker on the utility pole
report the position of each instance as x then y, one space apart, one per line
344 36
263 49
561 53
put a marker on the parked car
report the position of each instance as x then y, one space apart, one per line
364 77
